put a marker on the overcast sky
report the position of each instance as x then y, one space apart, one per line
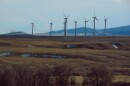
18 14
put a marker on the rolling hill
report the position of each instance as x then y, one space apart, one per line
19 33
116 31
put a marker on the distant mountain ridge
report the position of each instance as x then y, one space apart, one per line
116 31
71 32
121 31
19 33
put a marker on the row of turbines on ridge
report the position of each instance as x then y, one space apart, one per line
65 26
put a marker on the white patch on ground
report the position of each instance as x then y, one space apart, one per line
25 55
4 54
30 46
115 46
71 46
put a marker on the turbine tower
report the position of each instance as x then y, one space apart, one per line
76 28
32 28
94 28
85 27
51 24
65 24
105 26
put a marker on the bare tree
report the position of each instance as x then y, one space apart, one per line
72 80
62 74
43 76
7 75
24 75
100 76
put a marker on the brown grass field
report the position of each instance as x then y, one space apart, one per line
88 52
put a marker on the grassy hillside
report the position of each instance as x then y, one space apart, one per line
87 53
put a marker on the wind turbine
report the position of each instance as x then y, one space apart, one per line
32 28
105 26
94 22
85 26
76 28
51 24
65 24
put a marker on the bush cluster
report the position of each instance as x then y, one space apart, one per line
59 75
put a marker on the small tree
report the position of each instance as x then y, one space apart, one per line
24 75
42 76
100 76
7 75
85 81
62 74
73 81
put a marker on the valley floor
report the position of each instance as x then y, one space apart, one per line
80 52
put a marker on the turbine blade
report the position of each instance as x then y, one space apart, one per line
64 15
67 17
96 18
85 18
77 19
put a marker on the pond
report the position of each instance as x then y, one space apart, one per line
35 55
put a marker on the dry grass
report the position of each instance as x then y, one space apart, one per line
104 56
121 78
113 58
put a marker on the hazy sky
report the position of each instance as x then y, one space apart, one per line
18 14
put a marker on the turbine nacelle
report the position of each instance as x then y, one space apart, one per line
51 23
86 21
66 17
105 19
95 18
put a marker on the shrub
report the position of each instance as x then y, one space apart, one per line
121 84
73 81
62 74
42 76
100 76
7 75
24 75
85 81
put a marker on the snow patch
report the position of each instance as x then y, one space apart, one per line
115 46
